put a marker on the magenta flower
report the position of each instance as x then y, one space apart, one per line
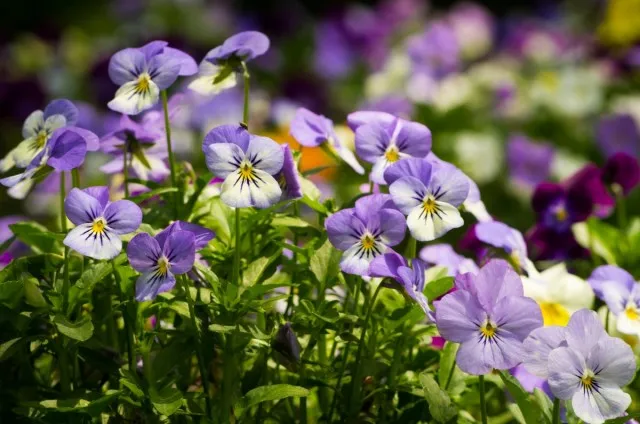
365 232
99 223
159 259
490 317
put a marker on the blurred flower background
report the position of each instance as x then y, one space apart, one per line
515 94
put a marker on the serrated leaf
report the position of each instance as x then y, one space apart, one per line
440 406
36 236
531 411
325 263
81 330
268 393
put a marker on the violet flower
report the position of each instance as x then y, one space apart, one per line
436 51
621 172
429 195
311 130
529 163
411 278
36 131
383 144
15 249
99 223
143 72
444 255
548 244
558 208
618 133
501 236
159 260
289 177
490 317
365 231
248 164
65 150
202 236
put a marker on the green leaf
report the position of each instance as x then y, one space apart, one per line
437 288
167 401
149 194
268 393
545 404
38 237
623 420
255 270
7 349
325 262
138 153
88 404
440 406
90 278
450 377
11 293
81 330
316 170
32 294
289 222
599 237
531 411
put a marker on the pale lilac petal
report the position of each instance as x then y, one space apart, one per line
614 360
92 140
610 275
539 345
372 141
123 216
495 281
106 245
407 193
356 119
444 255
223 159
566 367
478 356
62 107
126 65
143 252
449 184
340 230
153 48
392 226
387 265
202 235
150 284
372 204
81 208
67 150
234 134
584 331
418 168
456 317
265 154
99 192
180 250
188 65
164 70
309 129
413 139
595 407
518 316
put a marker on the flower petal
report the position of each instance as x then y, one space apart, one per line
372 141
99 192
164 70
566 367
265 154
143 252
180 250
387 265
614 360
538 345
584 331
340 230
613 276
123 216
82 208
234 134
188 65
517 315
207 83
309 129
349 158
150 284
356 119
223 159
33 124
392 226
106 245
478 356
407 194
62 107
456 316
126 65
418 168
448 184
413 139
430 226
130 101
67 150
356 261
595 407
262 192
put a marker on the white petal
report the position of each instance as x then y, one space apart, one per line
54 122
348 156
428 227
223 159
596 407
128 101
33 124
21 189
407 194
24 152
627 325
478 210
355 261
265 154
204 83
263 192
377 172
83 240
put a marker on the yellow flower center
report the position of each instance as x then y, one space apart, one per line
429 205
488 330
561 214
246 171
392 154
632 313
554 314
41 139
587 379
143 84
368 242
163 266
98 226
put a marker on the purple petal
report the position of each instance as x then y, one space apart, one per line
623 170
372 141
619 133
529 162
410 167
309 129
164 70
99 192
456 317
180 250
615 361
81 207
223 159
123 216
340 229
413 139
62 107
202 235
356 119
143 252
584 331
565 369
234 134
372 204
387 265
150 284
545 195
392 226
539 345
105 246
265 154
245 46
610 275
503 237
518 316
449 184
67 150
188 65
126 65
444 255
495 281
407 193
289 176
477 356
153 48
587 193
92 141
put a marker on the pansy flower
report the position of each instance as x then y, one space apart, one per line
99 223
529 162
14 249
411 278
289 177
143 72
160 259
202 236
37 129
217 70
444 255
618 133
621 172
429 195
365 231
558 207
311 130
490 317
65 150
248 164
501 236
383 144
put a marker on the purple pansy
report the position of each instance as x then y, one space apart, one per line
143 72
99 223
618 289
529 162
15 249
248 164
548 244
411 278
363 117
159 259
333 55
503 237
622 170
584 365
289 177
490 317
429 195
365 231
444 255
530 381
383 144
558 208
202 236
618 133
436 51
36 131
65 150
588 181
311 130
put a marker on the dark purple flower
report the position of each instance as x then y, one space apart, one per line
588 182
143 72
202 236
529 163
548 244
365 232
622 170
558 208
618 133
159 263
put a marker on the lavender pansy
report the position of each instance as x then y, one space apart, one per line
36 131
436 51
365 231
159 259
362 117
247 163
411 278
289 177
618 133
503 237
529 162
490 317
16 248
65 150
444 255
429 195
143 72
383 144
311 130
99 223
202 236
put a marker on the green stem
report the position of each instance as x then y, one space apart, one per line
483 403
172 164
63 365
621 208
245 109
556 411
125 170
127 323
450 376
323 395
204 375
228 379
354 400
75 177
63 226
412 245
236 253
606 321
